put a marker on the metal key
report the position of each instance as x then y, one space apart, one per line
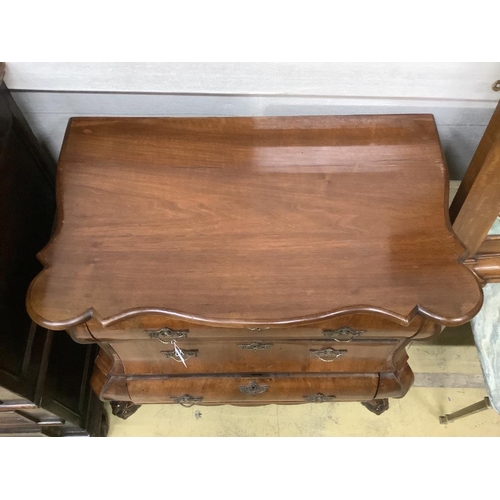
178 352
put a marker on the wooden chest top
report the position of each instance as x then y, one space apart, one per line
252 222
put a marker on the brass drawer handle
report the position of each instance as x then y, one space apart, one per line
253 388
258 329
185 354
187 401
255 346
328 355
167 333
345 333
319 398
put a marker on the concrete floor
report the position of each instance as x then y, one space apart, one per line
447 378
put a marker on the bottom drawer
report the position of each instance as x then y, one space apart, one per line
253 390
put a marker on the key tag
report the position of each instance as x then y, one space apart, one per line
178 352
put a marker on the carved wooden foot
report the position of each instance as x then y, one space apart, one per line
377 406
123 409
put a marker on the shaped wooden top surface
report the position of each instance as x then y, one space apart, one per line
252 221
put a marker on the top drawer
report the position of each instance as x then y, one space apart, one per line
342 329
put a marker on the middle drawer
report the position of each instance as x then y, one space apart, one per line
260 356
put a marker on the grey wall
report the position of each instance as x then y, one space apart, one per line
409 80
458 94
460 122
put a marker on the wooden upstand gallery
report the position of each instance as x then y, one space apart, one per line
251 261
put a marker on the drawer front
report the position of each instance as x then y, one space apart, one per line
145 357
343 330
252 390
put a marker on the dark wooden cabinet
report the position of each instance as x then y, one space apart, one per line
253 260
44 376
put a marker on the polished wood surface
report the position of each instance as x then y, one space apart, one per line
490 246
110 381
149 357
340 329
482 205
473 174
487 267
477 205
286 260
253 222
291 389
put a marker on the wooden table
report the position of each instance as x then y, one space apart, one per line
252 260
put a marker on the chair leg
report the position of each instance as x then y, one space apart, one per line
468 410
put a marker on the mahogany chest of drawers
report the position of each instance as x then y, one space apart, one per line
252 260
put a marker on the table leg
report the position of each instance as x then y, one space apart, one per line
468 410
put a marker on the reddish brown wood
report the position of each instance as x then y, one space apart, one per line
110 383
242 222
428 330
395 384
473 174
268 356
481 207
142 327
108 380
487 268
304 234
490 246
278 389
477 202
477 205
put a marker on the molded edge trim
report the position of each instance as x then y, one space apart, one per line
92 313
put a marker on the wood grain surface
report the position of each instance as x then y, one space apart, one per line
279 389
270 356
253 222
477 202
342 329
